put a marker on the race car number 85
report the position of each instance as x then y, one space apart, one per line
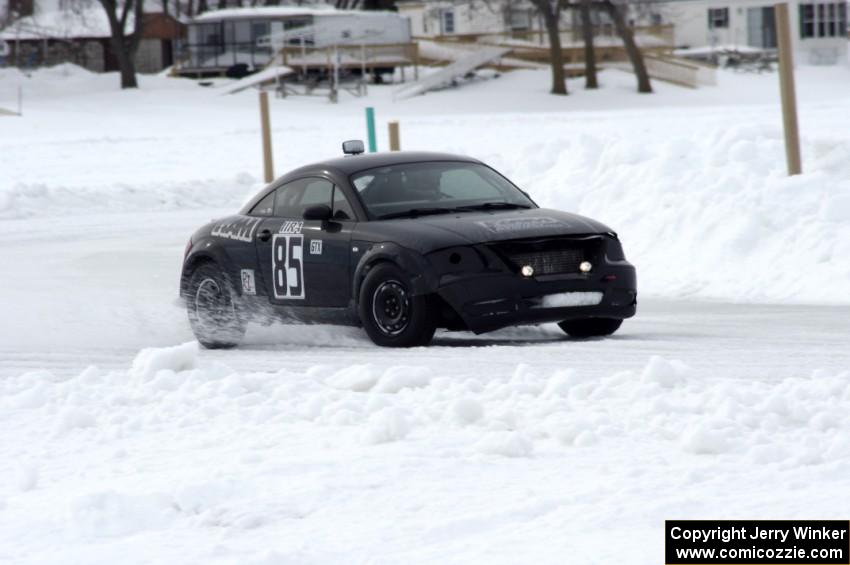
288 265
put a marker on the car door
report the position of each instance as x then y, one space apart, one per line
306 262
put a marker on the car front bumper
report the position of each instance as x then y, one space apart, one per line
489 301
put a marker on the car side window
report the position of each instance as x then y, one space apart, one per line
264 207
294 197
341 209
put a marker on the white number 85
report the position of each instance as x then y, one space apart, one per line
288 266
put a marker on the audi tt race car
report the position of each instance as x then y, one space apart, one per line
401 244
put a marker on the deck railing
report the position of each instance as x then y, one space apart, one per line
365 57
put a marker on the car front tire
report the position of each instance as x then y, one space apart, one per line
212 309
590 327
390 314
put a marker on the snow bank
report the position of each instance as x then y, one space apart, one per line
387 460
23 200
665 398
711 212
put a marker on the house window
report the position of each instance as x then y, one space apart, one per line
520 20
718 18
823 20
448 21
259 29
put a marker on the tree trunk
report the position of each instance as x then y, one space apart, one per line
127 65
124 46
590 80
552 18
632 50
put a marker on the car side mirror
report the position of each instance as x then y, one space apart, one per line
318 212
353 147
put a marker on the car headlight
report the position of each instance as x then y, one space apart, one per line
614 250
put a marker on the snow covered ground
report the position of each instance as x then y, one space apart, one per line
727 396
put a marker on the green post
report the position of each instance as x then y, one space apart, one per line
370 127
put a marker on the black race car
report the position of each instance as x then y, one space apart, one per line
401 244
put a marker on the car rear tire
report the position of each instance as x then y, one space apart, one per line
590 327
212 309
390 314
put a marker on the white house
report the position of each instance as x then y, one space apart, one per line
818 28
431 18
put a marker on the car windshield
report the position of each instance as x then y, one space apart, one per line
414 189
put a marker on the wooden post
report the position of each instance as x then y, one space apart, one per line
786 90
395 136
265 127
415 61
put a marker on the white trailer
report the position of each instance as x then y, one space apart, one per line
220 39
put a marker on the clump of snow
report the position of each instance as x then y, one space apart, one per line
151 361
33 397
110 513
74 418
663 372
770 453
507 444
390 424
27 476
362 378
585 438
465 411
396 379
358 378
702 438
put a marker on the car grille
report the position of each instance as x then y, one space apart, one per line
550 262
549 256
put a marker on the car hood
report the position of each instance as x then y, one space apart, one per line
429 233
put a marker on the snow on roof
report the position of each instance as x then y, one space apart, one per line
282 12
62 24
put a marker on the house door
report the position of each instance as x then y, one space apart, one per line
761 28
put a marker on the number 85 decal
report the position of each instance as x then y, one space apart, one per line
288 266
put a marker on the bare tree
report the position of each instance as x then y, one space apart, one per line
125 45
590 80
632 50
551 12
